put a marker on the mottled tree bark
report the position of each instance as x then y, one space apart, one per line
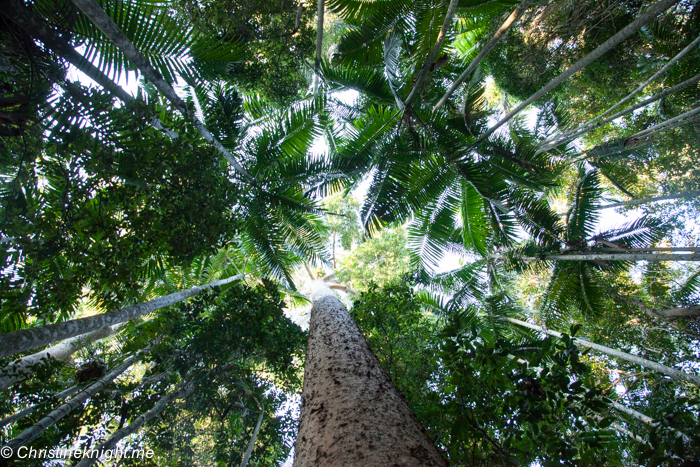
351 412
22 368
30 410
136 425
33 432
30 338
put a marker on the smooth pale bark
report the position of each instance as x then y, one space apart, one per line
30 410
423 73
639 89
104 23
637 202
251 445
22 368
592 125
30 338
33 432
134 426
319 41
645 419
524 5
352 415
615 257
668 313
623 249
25 18
672 372
651 12
678 120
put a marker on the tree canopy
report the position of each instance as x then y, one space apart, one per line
511 187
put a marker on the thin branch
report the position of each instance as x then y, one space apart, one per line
641 87
590 126
674 373
423 73
653 11
524 5
637 202
25 18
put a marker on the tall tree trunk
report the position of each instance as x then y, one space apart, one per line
668 313
319 41
251 444
334 251
637 202
104 23
33 432
21 369
30 410
646 419
430 59
592 124
30 338
651 12
351 412
524 5
639 89
134 426
615 257
34 27
674 122
672 372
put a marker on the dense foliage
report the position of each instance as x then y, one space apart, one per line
507 173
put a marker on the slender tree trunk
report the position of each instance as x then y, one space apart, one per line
319 42
637 202
641 87
122 433
524 5
423 73
678 120
592 125
352 415
297 20
651 12
251 445
104 23
334 251
30 410
22 368
615 257
30 338
672 372
25 18
668 313
646 419
33 432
